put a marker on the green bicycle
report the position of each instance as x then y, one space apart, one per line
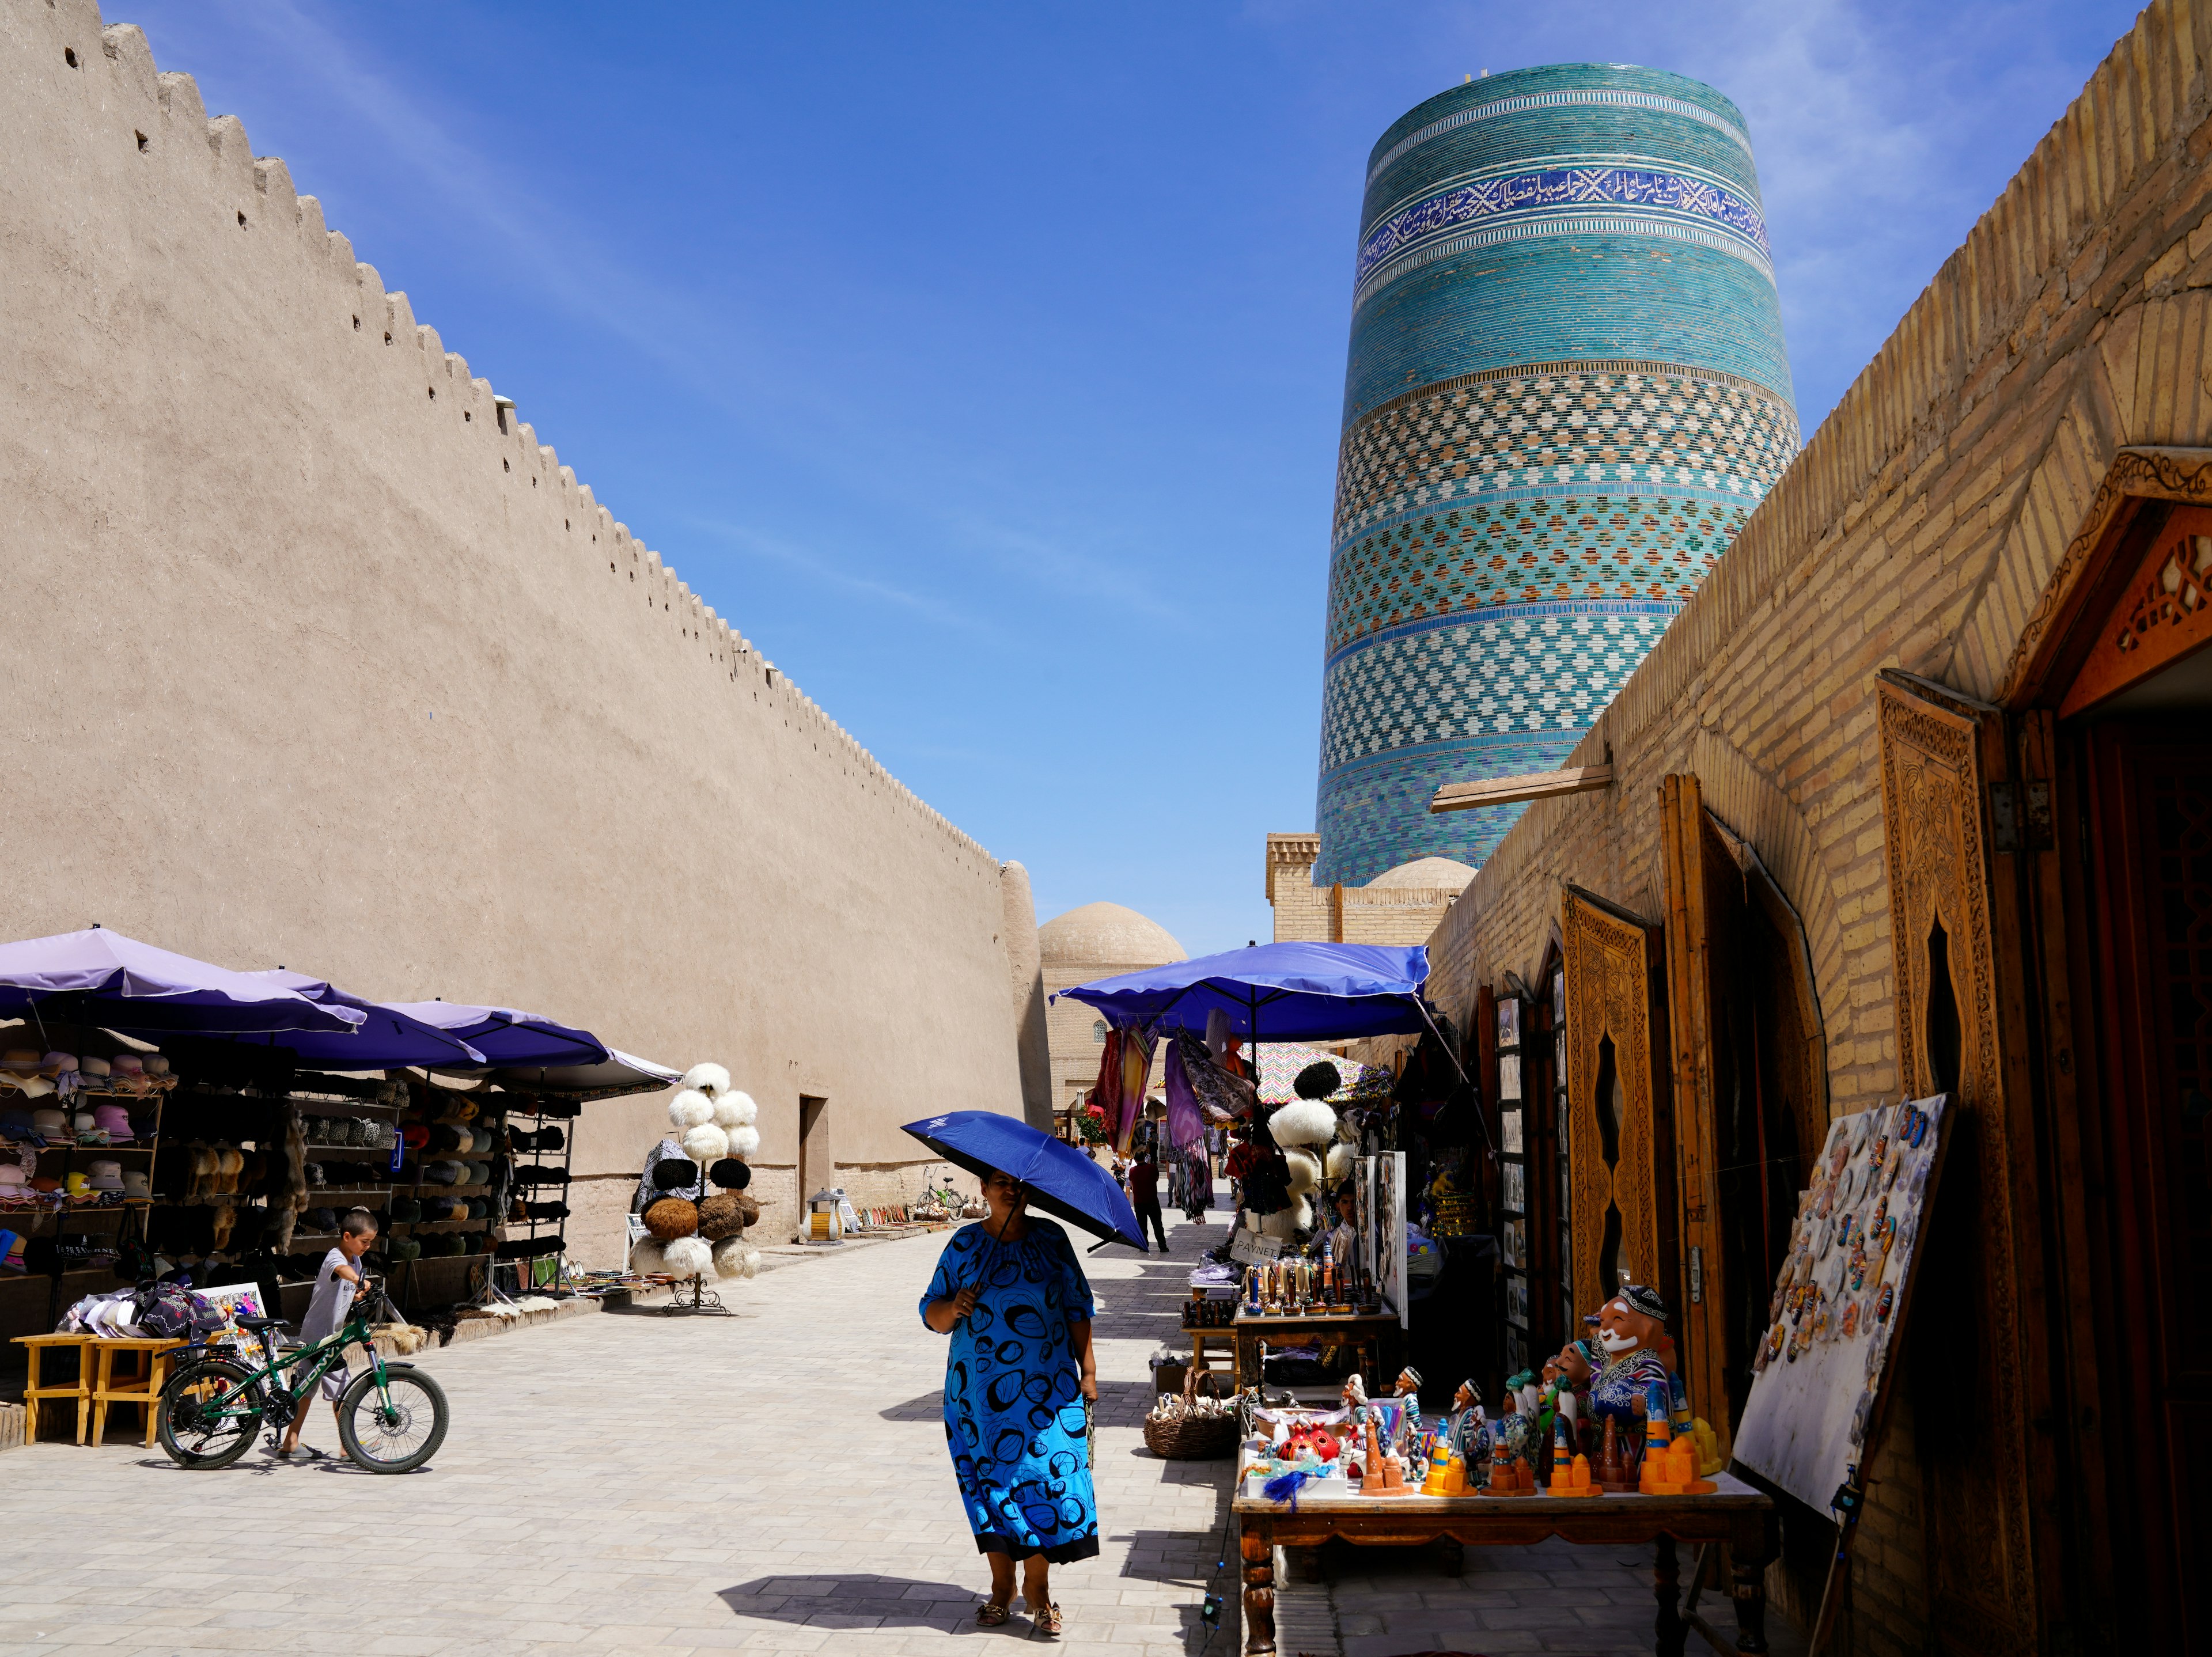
392 1417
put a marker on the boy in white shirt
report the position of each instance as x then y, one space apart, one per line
335 1284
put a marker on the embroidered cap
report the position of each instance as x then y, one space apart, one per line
1637 1298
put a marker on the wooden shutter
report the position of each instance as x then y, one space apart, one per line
1705 928
1617 1117
1937 750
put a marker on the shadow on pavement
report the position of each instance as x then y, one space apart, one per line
854 1602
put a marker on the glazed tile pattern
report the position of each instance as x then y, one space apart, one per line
1546 444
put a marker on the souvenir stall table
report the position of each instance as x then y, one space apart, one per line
1377 1333
1733 1513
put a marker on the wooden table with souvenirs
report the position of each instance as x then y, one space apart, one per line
1732 1512
1378 1332
1607 1425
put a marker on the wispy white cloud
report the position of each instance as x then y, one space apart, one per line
820 569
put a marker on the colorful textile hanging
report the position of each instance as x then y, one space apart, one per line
1135 1056
1186 1126
1281 1061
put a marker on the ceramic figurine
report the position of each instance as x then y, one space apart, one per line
1613 1473
1631 1326
1408 1387
1466 1430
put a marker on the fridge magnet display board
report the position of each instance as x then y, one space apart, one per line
1818 1383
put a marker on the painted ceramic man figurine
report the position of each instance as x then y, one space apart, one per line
1468 1431
1630 1327
1409 1389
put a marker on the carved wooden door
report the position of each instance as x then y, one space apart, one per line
1950 1038
1704 923
1618 1123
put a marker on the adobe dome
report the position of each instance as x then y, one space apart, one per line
1106 934
1427 871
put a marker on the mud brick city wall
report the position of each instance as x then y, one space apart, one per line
1916 530
325 658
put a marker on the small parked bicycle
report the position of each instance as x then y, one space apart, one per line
392 1417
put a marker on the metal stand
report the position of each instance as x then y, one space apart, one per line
704 1302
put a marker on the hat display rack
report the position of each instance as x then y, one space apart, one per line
449 1188
538 1202
689 1233
80 1132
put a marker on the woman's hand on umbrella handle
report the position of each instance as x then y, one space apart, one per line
1091 1389
965 1302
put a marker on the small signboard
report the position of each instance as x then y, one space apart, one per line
1249 1247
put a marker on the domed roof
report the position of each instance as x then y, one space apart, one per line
1106 935
1427 871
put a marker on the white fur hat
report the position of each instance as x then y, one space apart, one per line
706 1144
688 1257
710 1079
744 1141
1283 1222
1305 1171
734 1109
730 1258
691 1109
646 1257
1302 1122
1339 1165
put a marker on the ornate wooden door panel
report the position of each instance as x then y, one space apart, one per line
1705 915
1983 1589
2151 806
1619 1128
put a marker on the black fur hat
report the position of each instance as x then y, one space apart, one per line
730 1174
1318 1080
675 1174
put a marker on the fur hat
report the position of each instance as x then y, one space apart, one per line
1303 1122
670 1217
706 1144
687 1257
735 1110
745 1141
645 1257
1338 1167
721 1215
730 1174
1318 1080
710 1079
735 1258
675 1174
1305 1171
691 1109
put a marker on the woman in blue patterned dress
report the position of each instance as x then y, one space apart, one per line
1018 1381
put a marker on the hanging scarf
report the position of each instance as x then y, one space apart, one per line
1124 1070
1186 1126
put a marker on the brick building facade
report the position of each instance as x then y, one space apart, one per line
1935 719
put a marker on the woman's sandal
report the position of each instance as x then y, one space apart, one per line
1046 1622
991 1614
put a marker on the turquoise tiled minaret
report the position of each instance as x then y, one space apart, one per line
1567 389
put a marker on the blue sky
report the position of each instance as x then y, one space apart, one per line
982 363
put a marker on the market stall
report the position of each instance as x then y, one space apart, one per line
165 1118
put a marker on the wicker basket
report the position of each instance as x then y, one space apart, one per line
1192 1439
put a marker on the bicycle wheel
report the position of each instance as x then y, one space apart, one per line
207 1415
395 1428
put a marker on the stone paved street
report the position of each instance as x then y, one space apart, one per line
773 1482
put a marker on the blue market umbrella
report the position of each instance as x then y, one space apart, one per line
1061 1180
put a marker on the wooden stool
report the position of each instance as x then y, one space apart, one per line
80 1389
1202 1339
138 1386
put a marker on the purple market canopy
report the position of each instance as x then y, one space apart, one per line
507 1037
1275 992
387 1038
103 978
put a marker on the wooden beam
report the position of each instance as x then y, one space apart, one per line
1513 791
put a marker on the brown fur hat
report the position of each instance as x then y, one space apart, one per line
672 1217
720 1216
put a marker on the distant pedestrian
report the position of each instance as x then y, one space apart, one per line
1145 1196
